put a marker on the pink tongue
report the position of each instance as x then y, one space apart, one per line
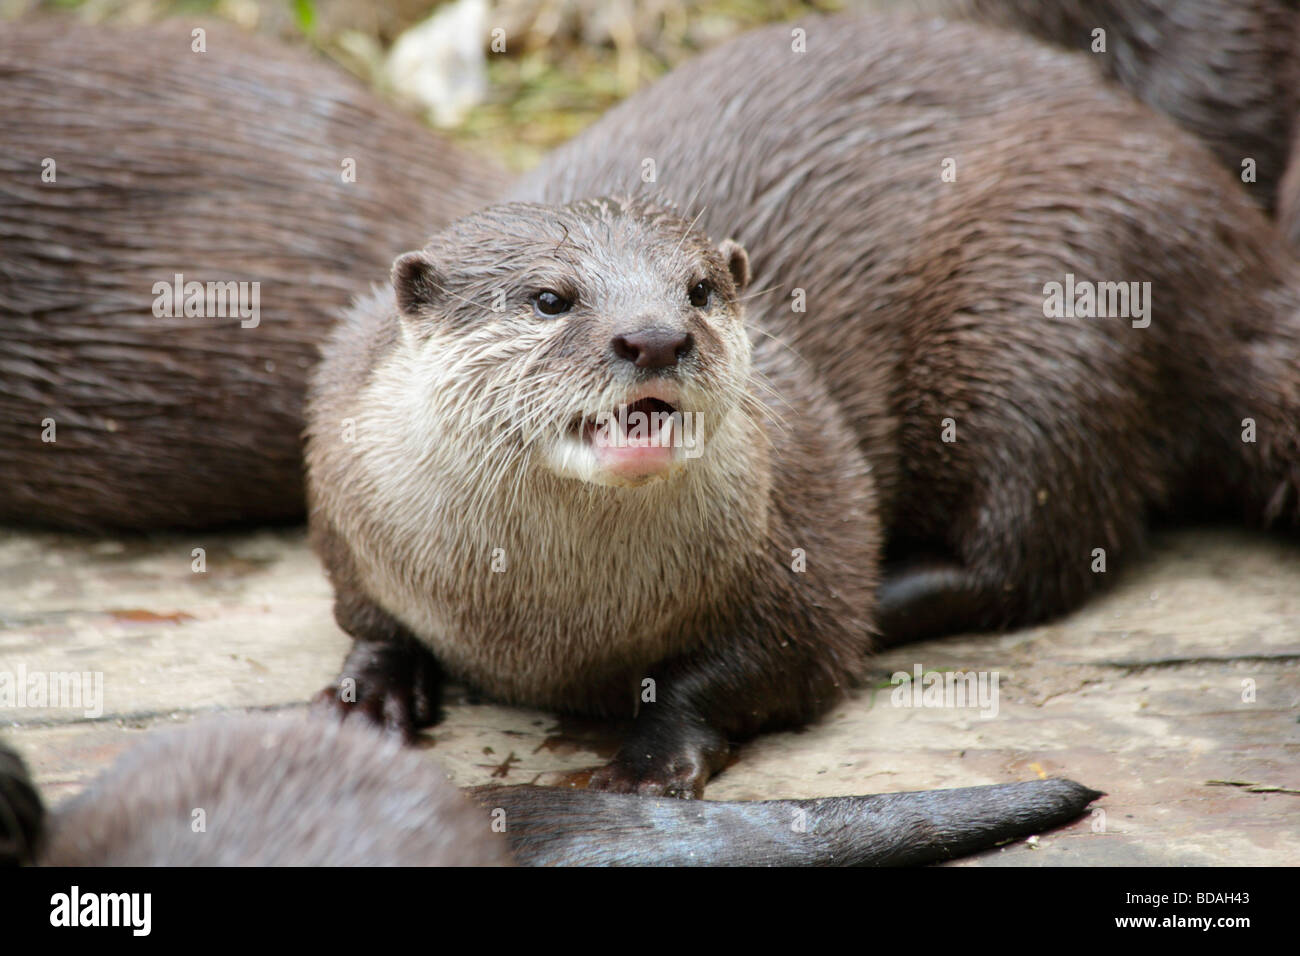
635 454
634 461
640 439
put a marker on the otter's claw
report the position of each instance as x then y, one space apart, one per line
394 686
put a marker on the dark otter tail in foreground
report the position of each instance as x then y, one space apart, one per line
22 815
274 792
579 827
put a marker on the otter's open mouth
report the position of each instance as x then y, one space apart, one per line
633 441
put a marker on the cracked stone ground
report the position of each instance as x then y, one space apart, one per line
1177 692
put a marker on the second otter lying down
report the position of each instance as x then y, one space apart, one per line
271 792
248 169
933 367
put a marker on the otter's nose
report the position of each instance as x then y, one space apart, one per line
653 347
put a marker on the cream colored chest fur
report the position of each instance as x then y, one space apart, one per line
537 589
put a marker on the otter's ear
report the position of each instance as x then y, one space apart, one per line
417 282
737 260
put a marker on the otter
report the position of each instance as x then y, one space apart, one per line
265 791
907 204
128 159
1225 70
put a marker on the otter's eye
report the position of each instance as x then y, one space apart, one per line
550 303
700 294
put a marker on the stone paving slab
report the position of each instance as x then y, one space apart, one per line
1178 692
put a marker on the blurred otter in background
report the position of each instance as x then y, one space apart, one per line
147 185
1226 70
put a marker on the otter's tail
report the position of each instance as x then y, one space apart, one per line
22 814
550 826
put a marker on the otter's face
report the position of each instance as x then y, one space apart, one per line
602 340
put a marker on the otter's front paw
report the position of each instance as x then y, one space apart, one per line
390 709
676 780
395 686
655 767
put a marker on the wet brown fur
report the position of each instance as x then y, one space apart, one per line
1225 70
224 165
